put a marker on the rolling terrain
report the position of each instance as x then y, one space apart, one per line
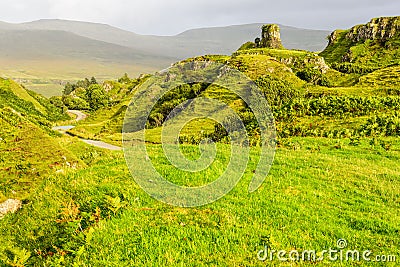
335 175
45 54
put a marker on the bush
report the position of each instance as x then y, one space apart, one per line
171 100
248 45
75 103
350 68
384 125
86 83
314 76
276 91
97 97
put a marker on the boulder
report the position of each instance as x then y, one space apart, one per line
9 206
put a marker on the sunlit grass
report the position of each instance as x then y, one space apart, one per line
317 192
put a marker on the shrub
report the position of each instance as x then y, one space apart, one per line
314 76
276 91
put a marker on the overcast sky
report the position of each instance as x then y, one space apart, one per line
167 17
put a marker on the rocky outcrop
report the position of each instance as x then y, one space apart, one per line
368 47
313 60
271 37
9 206
333 37
381 29
377 29
294 60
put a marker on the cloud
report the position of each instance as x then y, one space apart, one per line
21 11
174 16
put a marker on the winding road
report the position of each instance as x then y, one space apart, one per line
81 116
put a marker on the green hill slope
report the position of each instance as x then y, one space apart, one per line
383 78
307 96
28 150
28 155
35 108
365 48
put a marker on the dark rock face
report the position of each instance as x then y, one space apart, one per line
377 29
271 37
333 37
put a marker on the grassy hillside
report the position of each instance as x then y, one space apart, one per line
106 123
383 78
28 155
307 98
27 148
34 107
30 150
365 48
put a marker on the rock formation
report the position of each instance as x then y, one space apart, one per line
365 48
380 29
377 29
9 206
271 37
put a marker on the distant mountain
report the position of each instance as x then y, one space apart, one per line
222 40
45 44
230 38
24 46
8 26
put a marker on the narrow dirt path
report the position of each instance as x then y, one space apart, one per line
101 144
81 116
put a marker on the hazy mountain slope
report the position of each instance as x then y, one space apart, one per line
221 40
153 45
41 44
7 26
34 108
231 37
42 53
96 31
46 57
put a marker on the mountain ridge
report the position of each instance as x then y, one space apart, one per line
48 50
188 38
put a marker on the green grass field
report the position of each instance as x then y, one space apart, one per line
318 191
